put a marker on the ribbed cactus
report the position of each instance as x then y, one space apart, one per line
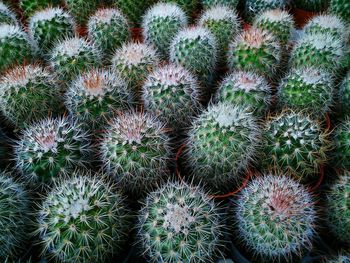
343 95
133 9
136 151
275 218
221 143
7 16
30 6
28 94
246 89
307 88
81 10
211 3
14 215
312 5
50 25
82 219
341 142
161 24
180 223
172 93
340 8
255 7
51 148
96 96
294 144
255 50
189 6
109 29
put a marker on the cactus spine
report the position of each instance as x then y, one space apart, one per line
81 10
343 95
341 141
134 10
253 8
207 4
340 8
7 16
30 6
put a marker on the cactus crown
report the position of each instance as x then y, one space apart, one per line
48 14
219 13
105 15
165 10
6 15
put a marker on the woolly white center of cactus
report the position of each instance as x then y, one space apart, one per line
47 142
194 33
280 203
72 47
247 82
11 30
275 15
310 76
328 21
48 14
134 54
77 207
94 84
178 218
219 13
20 76
165 10
255 37
106 15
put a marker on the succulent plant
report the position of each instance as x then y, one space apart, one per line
341 142
95 97
340 258
161 24
253 8
15 47
135 150
246 89
180 223
27 94
49 26
51 148
189 6
343 95
211 3
275 218
255 50
30 6
7 16
172 93
81 10
82 219
294 144
133 9
340 8
221 143
312 5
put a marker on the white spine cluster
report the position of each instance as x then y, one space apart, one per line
8 12
219 12
275 15
165 10
196 32
105 16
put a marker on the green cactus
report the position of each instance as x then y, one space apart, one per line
28 94
136 151
50 149
82 219
189 6
275 218
343 96
341 141
30 6
253 8
246 89
207 4
161 23
7 16
133 9
81 10
312 5
340 258
294 144
340 8
180 223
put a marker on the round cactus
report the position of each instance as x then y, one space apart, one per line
312 5
180 223
30 6
28 94
343 95
172 93
81 9
136 151
15 46
340 258
134 62
14 215
161 23
278 22
221 143
7 16
109 29
51 148
195 49
82 219
50 25
211 3
133 9
189 6
340 8
255 50
275 218
307 88
246 89
341 141
73 56
294 144
95 97
223 23
255 7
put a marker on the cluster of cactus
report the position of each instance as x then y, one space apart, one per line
7 16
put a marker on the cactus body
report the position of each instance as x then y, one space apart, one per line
211 3
343 95
133 9
340 8
189 6
312 5
81 10
255 7
29 7
341 141
7 16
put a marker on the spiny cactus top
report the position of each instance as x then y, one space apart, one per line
81 9
160 25
344 95
136 151
312 5
221 143
134 10
28 94
275 217
30 6
50 25
295 144
189 6
6 15
247 89
82 219
255 50
51 148
340 8
255 7
341 141
14 215
179 223
210 3
172 93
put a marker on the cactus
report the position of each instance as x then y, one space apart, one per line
73 56
255 50
246 89
195 49
307 88
28 94
50 149
133 9
343 95
207 4
134 62
312 5
14 215
82 219
161 24
340 8
253 8
340 258
294 144
50 25
341 142
136 151
275 218
278 22
223 23
30 6
7 16
180 223
95 97
189 6
172 93
221 143
15 47
81 10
